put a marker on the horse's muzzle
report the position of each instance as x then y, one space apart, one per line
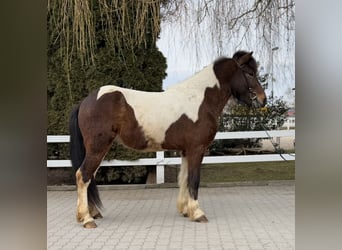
258 100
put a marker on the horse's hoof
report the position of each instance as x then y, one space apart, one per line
90 224
98 216
202 219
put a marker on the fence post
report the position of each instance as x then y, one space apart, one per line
160 167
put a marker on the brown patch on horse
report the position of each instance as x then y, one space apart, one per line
121 123
206 126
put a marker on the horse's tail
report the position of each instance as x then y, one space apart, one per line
77 149
77 155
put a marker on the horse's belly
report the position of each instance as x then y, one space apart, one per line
149 144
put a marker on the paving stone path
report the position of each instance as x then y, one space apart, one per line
241 217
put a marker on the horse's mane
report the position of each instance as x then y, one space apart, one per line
220 60
206 75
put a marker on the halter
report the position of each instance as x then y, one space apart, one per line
253 94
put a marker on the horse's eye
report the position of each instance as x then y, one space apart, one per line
251 74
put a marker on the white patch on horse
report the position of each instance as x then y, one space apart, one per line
82 199
156 111
183 195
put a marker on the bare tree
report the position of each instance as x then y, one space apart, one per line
266 21
212 28
72 24
73 21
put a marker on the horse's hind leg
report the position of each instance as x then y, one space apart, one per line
96 149
82 214
86 212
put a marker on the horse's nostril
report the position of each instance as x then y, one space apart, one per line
252 94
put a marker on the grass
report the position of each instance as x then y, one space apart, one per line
254 171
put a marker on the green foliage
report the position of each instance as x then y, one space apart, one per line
122 175
71 79
242 118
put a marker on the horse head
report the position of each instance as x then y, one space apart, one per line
245 86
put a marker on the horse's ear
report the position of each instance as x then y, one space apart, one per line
245 58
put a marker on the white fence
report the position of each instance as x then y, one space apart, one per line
160 161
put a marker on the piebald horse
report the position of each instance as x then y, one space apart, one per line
183 118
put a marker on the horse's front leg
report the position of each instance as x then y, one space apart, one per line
183 195
194 158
